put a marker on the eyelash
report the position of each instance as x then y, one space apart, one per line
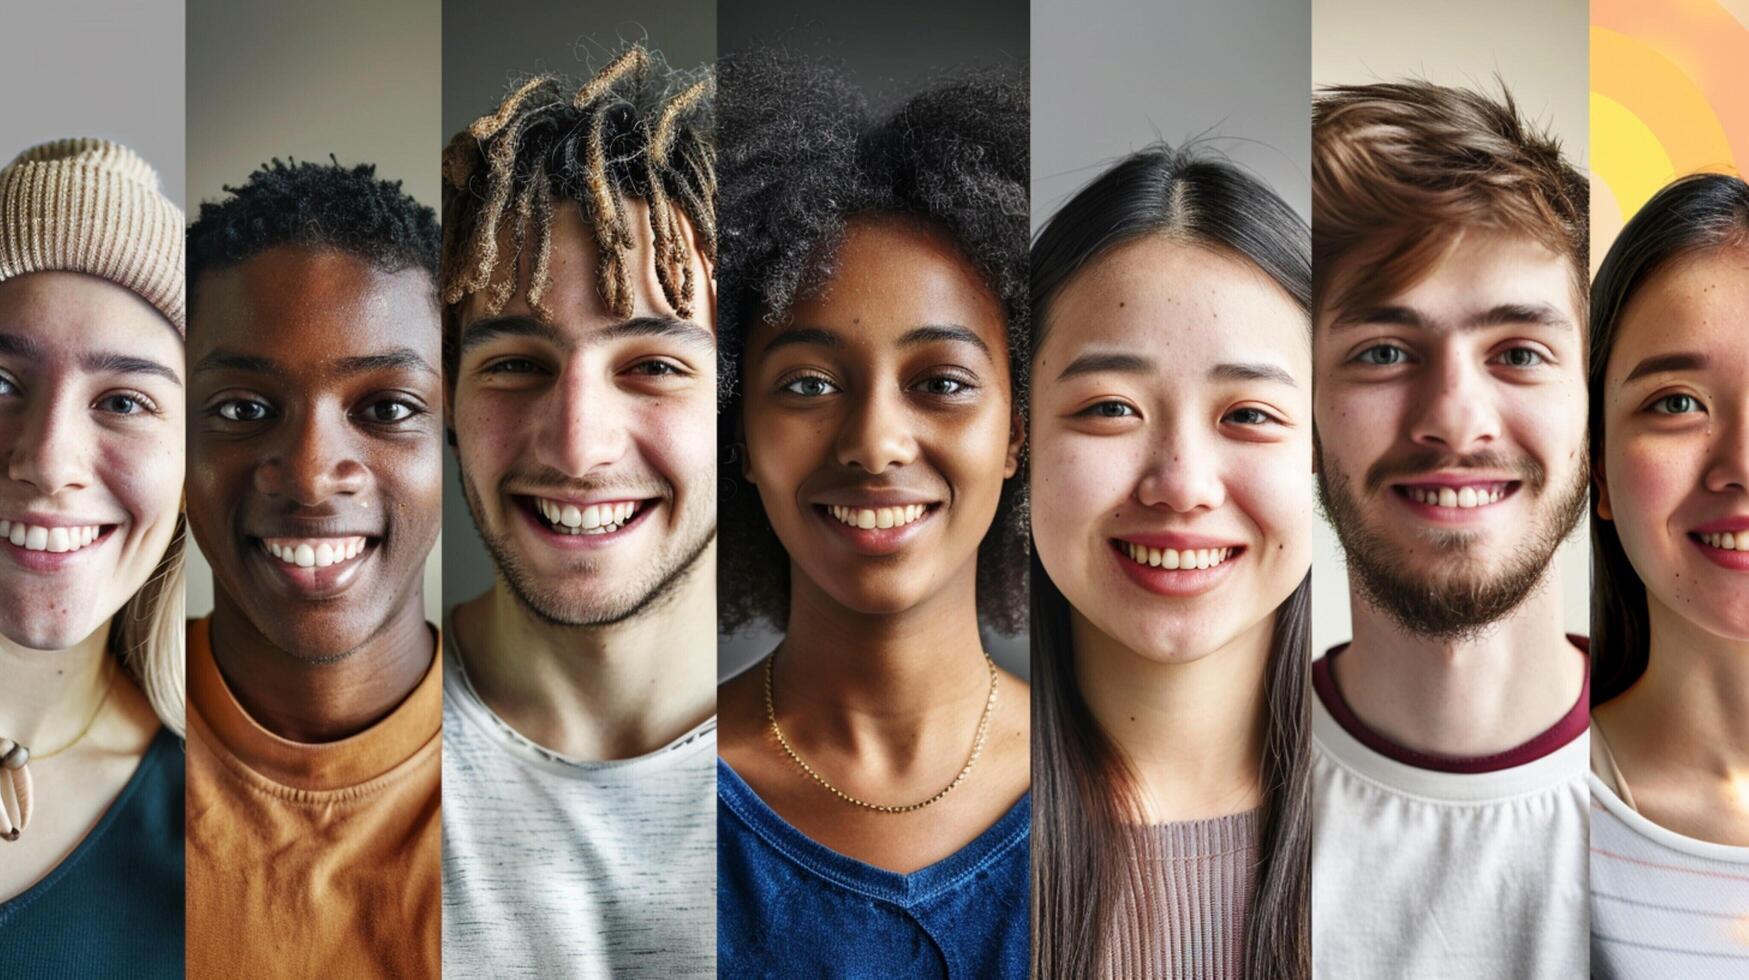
145 404
1656 406
1264 417
1403 356
1095 411
268 414
962 385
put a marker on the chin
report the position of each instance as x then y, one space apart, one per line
48 635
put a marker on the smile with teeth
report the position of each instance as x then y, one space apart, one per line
35 537
590 519
1725 540
314 552
1462 498
870 518
1173 559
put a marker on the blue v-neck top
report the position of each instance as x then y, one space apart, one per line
790 907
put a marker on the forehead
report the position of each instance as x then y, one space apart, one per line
1696 302
891 274
1483 269
1185 302
72 311
307 305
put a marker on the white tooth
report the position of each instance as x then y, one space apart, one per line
627 509
1131 549
1466 497
273 549
884 517
865 518
5 528
324 555
1208 558
545 507
37 538
1169 558
1154 557
58 540
91 533
1447 497
17 535
594 518
305 556
1728 541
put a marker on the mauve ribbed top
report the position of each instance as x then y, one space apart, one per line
1183 907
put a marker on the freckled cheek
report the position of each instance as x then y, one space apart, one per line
677 442
1361 426
1649 479
492 436
144 477
1273 490
1078 482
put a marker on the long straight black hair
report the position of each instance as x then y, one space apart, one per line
1693 214
1084 791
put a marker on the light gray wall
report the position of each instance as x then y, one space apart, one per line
892 50
271 79
487 49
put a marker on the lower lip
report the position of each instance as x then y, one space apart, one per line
875 541
313 582
50 562
1736 561
1177 582
581 542
1454 516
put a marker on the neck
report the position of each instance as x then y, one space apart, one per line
882 683
1464 697
48 695
322 702
597 692
1192 732
1695 695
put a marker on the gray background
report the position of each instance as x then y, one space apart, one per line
891 50
270 79
487 49
1542 52
96 68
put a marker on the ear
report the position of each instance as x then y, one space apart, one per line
1604 513
1016 440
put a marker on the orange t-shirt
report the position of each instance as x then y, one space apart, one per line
312 860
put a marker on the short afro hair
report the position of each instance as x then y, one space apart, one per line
318 206
801 154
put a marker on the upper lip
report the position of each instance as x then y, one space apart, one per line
1178 540
872 497
595 501
1455 479
311 530
1732 524
55 520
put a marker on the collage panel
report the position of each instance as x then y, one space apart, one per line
1449 239
315 437
1172 491
874 814
579 304
1669 353
92 325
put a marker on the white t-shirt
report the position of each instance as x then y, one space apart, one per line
1662 904
1429 874
559 868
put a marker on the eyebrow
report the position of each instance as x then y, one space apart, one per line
931 333
1502 314
1252 371
518 325
224 360
14 345
397 358
97 362
1103 363
1686 361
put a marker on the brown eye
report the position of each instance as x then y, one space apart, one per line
391 410
243 410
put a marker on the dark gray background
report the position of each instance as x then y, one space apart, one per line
96 68
487 49
271 79
891 50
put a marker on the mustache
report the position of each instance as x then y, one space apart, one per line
538 480
1530 472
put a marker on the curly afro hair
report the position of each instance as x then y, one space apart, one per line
313 205
801 153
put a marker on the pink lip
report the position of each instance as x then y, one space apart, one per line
315 583
1177 583
1736 561
582 542
1731 524
50 562
874 541
1456 479
1178 541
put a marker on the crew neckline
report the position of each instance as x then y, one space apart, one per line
1604 798
361 762
1193 839
462 698
905 890
1574 723
150 762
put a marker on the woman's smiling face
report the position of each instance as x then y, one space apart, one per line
91 437
1676 440
879 419
1172 449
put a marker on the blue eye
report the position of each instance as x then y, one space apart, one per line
1676 405
243 410
7 387
123 404
810 386
1383 355
1522 357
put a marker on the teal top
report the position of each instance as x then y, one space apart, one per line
113 908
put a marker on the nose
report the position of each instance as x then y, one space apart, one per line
877 433
1183 473
54 450
315 458
1454 408
585 425
1728 469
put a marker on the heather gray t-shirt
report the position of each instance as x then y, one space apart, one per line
558 868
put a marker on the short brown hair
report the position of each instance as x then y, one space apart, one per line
1399 169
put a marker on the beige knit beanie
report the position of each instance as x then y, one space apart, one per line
92 206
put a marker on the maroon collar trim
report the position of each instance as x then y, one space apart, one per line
1573 724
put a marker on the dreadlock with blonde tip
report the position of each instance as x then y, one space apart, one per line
637 130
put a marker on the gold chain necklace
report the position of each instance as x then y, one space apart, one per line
971 760
15 760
